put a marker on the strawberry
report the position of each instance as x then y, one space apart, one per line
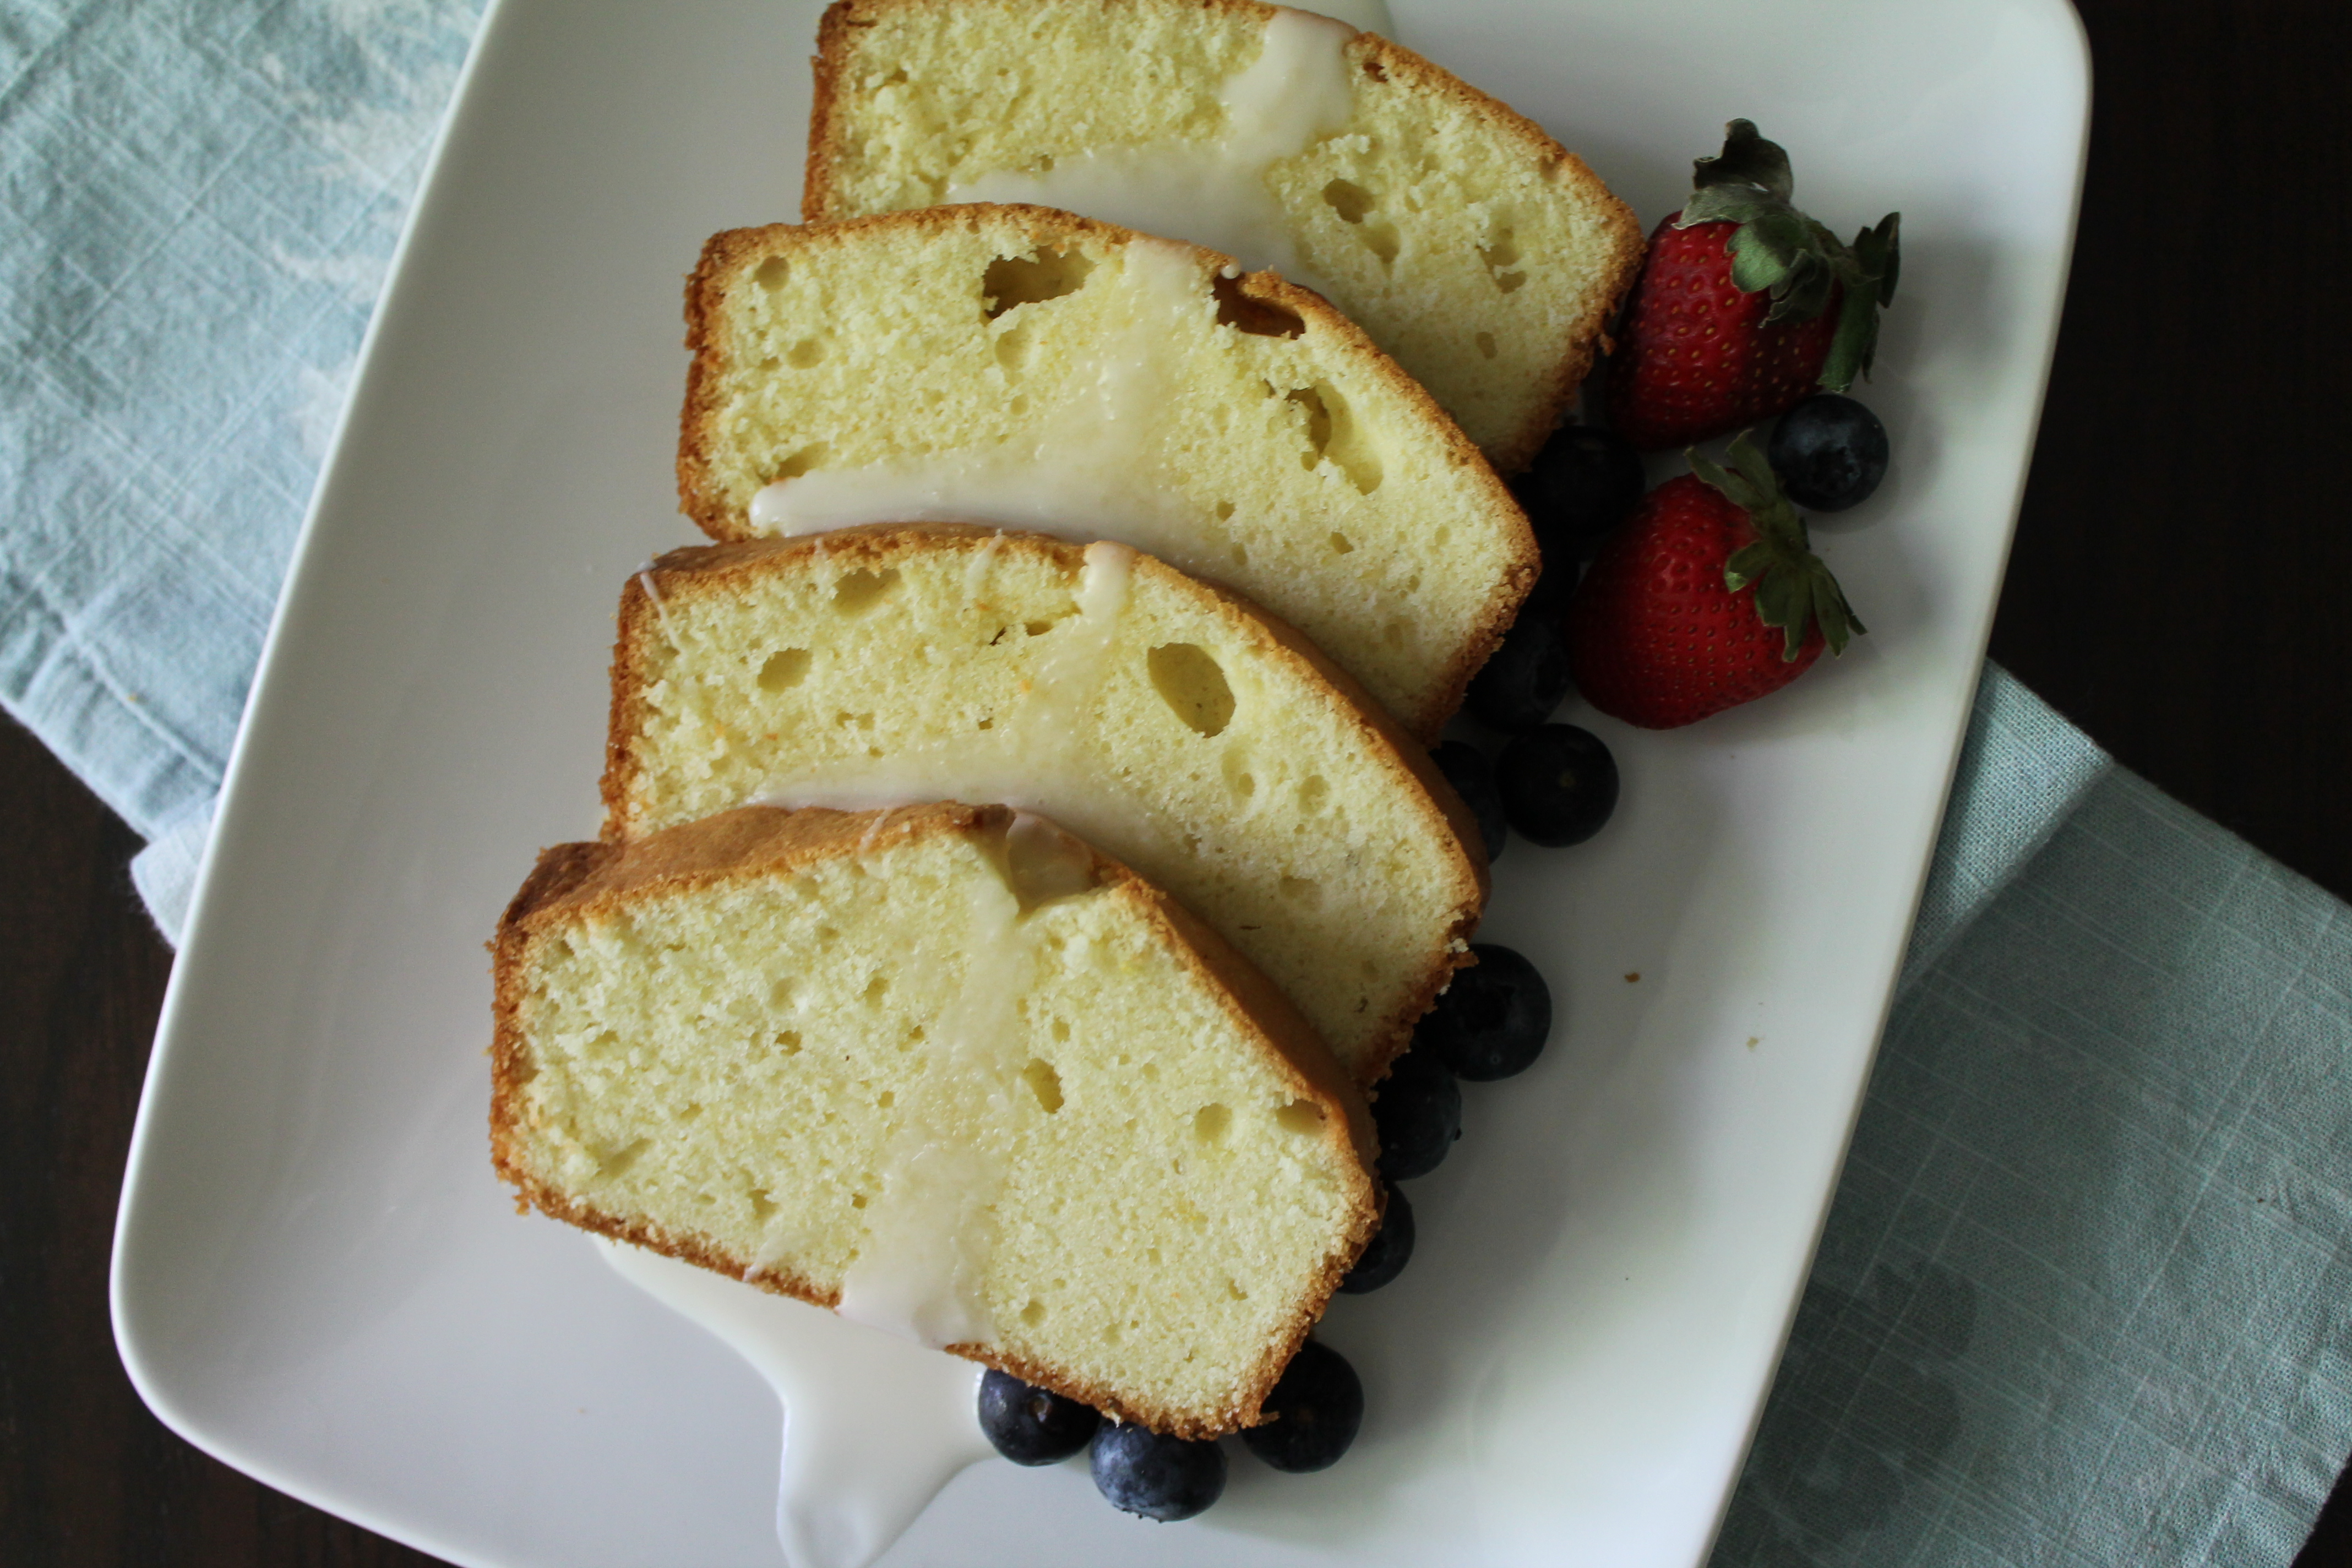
1745 305
1708 596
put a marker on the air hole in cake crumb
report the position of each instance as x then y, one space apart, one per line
886 1099
1234 1289
1061 1029
1305 892
988 723
858 592
1045 1083
1350 200
857 1200
1393 634
804 353
1036 629
801 462
1332 433
1015 280
769 364
620 1159
1210 1124
1238 777
827 935
1258 317
788 1041
764 1207
1341 544
1012 349
1224 512
1313 791
876 989
1193 686
1034 1313
772 273
1300 1116
1499 252
1485 342
784 669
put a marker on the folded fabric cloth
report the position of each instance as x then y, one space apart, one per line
203 195
2083 1297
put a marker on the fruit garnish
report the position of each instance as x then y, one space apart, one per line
1031 1426
1390 1248
1708 597
1558 785
1524 680
1494 1020
1312 1414
1746 304
1580 487
1417 1112
1829 452
1473 777
1159 1476
1794 591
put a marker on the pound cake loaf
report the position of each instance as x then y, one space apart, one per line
948 1070
1171 724
1471 246
1026 368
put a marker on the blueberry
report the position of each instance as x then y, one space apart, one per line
1390 1248
1418 1114
1558 784
1159 1476
1547 600
1581 485
1829 452
1525 679
1031 1426
1467 768
1316 1409
1492 1020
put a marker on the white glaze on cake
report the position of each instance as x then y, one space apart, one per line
1210 193
1096 468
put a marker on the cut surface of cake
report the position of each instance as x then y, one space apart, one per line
1472 245
948 1070
1029 369
1172 724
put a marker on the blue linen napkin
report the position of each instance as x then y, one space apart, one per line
2083 1297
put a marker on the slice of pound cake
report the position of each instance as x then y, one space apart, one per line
945 1070
1473 246
1174 725
1027 368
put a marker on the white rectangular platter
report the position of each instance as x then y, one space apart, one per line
316 1276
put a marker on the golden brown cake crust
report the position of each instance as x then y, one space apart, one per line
879 545
727 254
586 879
1383 62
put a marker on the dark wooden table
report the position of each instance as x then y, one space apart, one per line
2179 589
